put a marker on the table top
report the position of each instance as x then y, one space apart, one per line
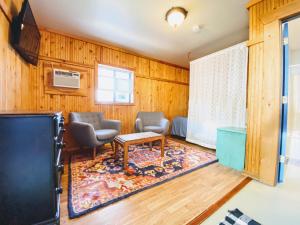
241 130
28 113
137 136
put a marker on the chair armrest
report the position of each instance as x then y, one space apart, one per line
165 124
139 125
84 134
111 124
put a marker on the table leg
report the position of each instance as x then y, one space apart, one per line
162 147
150 146
125 156
116 145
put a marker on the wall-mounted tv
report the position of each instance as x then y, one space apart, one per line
26 35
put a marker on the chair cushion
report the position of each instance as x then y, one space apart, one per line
106 134
156 129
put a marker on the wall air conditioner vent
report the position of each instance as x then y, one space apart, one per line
66 78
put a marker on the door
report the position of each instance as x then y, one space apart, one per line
284 111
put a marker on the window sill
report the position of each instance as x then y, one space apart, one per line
115 103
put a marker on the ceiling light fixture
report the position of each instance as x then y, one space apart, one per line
175 16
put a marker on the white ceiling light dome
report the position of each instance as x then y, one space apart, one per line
175 16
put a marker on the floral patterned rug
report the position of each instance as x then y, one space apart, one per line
102 181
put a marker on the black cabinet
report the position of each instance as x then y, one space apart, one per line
30 168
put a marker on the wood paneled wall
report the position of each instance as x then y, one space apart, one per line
158 86
14 72
264 88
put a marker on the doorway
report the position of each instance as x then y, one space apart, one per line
289 163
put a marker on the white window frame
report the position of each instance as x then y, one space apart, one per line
115 69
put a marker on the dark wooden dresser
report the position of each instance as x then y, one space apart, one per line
30 168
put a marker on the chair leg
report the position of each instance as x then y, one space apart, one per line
112 145
94 152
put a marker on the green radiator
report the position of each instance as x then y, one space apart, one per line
231 143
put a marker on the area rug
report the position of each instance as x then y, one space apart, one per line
97 183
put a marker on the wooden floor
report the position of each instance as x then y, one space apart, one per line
175 202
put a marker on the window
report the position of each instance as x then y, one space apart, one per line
115 85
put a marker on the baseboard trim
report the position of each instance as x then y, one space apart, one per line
213 208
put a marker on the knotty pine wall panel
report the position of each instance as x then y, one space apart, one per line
158 86
15 82
256 85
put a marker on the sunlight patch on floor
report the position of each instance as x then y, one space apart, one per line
268 205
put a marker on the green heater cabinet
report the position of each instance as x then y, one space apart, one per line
231 144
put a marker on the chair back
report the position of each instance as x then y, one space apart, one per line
93 118
150 118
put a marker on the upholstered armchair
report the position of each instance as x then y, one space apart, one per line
91 130
152 121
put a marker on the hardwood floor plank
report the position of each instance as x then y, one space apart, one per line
214 207
175 202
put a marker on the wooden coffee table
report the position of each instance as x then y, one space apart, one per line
137 138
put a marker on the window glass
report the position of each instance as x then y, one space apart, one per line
123 85
105 96
122 97
122 75
115 85
106 83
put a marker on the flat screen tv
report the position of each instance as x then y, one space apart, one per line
26 35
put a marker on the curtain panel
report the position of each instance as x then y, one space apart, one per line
218 85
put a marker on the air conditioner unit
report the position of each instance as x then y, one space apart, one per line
66 78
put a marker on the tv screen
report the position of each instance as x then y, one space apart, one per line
26 35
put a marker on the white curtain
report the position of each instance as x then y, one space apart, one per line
217 94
